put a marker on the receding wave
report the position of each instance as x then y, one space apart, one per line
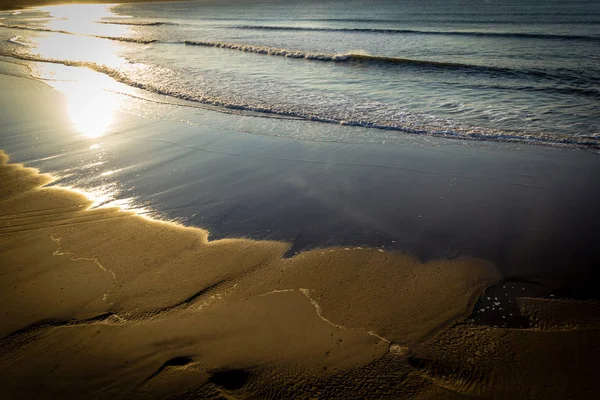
224 105
420 32
116 38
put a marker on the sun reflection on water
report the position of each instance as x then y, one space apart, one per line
79 49
93 179
82 18
90 104
107 196
81 66
91 109
91 101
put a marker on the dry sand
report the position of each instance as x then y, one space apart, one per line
102 303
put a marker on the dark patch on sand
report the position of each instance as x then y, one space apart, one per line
232 379
175 362
498 307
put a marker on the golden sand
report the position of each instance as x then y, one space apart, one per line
105 303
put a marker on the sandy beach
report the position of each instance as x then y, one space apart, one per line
326 270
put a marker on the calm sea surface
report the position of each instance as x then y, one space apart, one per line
501 70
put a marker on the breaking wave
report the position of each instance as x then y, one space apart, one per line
384 60
248 109
272 51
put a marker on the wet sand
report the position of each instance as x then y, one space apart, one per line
107 303
91 283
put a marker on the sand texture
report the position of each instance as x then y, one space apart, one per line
103 303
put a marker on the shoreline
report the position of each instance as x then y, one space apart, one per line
55 218
521 207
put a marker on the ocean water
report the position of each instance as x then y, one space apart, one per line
500 70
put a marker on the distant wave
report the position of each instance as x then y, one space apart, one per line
132 23
272 51
217 103
268 50
337 58
492 21
40 29
515 35
342 58
420 32
587 92
351 57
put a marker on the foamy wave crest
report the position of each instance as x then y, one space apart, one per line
126 39
268 50
248 109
